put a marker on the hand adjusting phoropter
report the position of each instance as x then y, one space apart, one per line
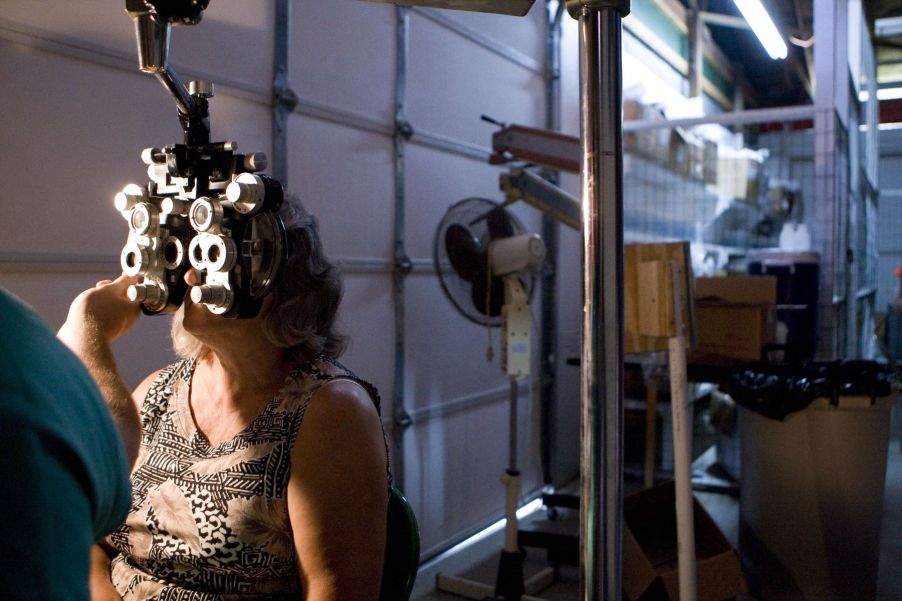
206 206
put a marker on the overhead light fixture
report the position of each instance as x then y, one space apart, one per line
763 26
889 93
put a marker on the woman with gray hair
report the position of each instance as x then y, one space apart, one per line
261 468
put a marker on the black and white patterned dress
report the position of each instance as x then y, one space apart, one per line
210 523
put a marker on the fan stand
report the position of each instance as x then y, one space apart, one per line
515 361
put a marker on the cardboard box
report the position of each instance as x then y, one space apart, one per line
652 143
709 169
633 110
743 289
697 160
735 317
650 551
681 152
739 175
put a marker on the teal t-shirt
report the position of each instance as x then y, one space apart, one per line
63 469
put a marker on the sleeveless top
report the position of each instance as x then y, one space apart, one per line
210 523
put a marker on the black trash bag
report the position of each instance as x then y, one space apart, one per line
861 378
775 391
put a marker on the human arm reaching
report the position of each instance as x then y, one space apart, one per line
96 318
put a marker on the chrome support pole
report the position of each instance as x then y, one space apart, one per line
601 465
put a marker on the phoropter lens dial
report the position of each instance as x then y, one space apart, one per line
134 259
143 219
205 214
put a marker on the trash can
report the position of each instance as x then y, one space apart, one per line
813 446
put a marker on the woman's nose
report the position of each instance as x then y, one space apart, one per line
191 277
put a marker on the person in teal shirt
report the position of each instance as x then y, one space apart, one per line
63 467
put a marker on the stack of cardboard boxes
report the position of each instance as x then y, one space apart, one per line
677 149
735 318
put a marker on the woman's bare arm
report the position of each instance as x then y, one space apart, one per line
338 495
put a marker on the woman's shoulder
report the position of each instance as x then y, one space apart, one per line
327 370
342 405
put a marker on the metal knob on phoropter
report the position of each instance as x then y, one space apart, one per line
174 206
256 161
214 294
150 156
246 193
131 195
149 293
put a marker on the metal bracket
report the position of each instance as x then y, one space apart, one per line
403 128
284 97
575 7
403 264
403 419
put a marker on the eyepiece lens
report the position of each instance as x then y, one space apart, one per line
201 213
139 220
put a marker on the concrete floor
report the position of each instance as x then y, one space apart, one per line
480 561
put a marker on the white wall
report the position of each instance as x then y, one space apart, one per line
77 113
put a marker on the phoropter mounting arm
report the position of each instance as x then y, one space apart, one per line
153 27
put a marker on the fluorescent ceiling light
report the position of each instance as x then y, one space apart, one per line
889 93
882 94
763 26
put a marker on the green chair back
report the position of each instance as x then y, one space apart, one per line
402 550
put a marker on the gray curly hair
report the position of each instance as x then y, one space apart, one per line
305 298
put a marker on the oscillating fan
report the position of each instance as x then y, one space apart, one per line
461 249
486 264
